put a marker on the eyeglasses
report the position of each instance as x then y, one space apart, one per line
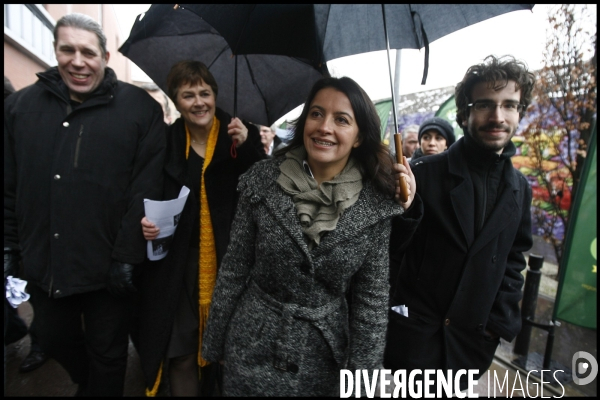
486 107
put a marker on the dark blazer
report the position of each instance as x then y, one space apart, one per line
163 280
457 285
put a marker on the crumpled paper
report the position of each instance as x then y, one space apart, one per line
15 291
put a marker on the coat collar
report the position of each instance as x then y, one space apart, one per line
463 197
175 166
52 81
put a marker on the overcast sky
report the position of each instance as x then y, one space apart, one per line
520 33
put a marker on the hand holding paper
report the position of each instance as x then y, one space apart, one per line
165 216
15 291
402 310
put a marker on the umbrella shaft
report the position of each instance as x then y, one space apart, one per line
387 42
235 88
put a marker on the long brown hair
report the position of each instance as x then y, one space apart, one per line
372 155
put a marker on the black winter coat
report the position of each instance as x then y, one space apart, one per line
455 284
163 280
75 179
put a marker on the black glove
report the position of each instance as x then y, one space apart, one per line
120 279
11 262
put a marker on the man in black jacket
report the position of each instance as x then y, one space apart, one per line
81 152
460 277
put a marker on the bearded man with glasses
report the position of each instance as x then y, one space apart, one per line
460 277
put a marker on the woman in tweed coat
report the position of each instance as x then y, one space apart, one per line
303 288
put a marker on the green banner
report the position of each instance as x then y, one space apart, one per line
384 108
448 112
576 296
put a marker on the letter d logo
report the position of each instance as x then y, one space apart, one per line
583 367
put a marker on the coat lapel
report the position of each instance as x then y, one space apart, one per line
462 196
283 210
506 207
175 166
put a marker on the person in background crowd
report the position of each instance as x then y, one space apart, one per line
269 139
176 291
81 152
410 140
435 135
460 277
303 288
160 96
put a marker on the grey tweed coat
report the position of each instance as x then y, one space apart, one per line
286 319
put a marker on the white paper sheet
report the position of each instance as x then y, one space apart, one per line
165 215
15 291
401 309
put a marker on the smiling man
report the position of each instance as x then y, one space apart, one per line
81 152
460 277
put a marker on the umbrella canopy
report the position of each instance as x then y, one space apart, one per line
266 86
322 32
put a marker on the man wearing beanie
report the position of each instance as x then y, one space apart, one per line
460 277
435 135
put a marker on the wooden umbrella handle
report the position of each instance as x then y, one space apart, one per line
402 182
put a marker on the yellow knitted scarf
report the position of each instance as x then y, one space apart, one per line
207 275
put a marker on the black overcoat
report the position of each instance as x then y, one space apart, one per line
75 179
455 285
163 280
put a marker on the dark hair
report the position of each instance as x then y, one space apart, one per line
192 73
85 22
372 156
497 72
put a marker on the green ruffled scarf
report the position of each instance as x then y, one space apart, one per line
319 207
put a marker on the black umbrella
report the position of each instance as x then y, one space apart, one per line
322 32
260 88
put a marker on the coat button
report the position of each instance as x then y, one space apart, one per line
56 177
480 327
56 236
293 368
494 258
66 124
447 321
57 292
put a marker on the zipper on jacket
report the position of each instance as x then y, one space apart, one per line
77 146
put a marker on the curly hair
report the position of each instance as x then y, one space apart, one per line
496 72
372 155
